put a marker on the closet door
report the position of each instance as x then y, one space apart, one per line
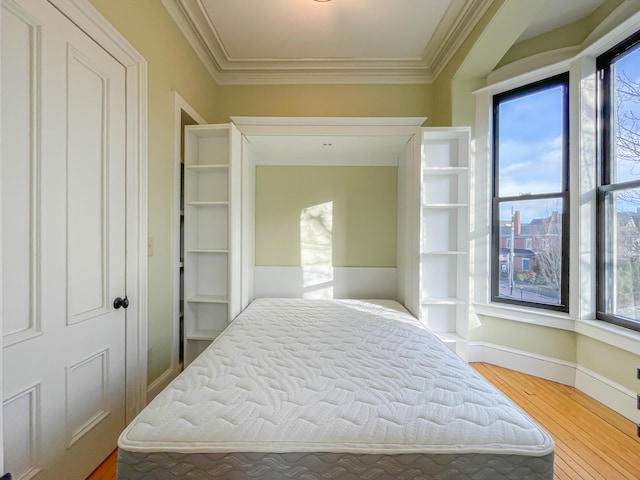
63 245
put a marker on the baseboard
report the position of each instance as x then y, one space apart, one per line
526 362
616 397
162 381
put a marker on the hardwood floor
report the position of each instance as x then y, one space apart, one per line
592 441
106 471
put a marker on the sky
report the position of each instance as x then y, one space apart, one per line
629 66
530 153
530 143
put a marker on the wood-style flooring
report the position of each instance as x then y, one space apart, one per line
592 441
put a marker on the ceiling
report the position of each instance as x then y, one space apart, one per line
340 41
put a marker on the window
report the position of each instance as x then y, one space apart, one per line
530 226
619 184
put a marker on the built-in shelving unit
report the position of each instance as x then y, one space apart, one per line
444 238
209 279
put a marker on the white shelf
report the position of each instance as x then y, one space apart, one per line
208 167
444 240
207 250
208 241
198 203
442 301
445 170
445 205
209 335
208 299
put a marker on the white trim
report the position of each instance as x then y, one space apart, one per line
183 23
87 17
526 362
614 396
582 165
546 318
331 121
179 105
454 28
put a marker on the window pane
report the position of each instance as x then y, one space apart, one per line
622 264
626 108
530 251
530 142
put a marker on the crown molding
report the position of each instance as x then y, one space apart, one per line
465 21
457 24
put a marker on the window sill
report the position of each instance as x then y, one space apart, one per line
536 316
620 337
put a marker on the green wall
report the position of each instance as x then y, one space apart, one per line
527 337
172 65
613 363
313 215
377 100
568 36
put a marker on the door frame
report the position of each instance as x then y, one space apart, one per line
89 19
180 105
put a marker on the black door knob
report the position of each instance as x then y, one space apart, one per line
121 302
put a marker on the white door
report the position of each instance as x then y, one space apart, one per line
63 245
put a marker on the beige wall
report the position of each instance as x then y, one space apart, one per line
325 101
568 36
610 362
361 204
545 341
172 65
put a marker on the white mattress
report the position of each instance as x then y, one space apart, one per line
292 375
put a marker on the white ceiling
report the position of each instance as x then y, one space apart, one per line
339 41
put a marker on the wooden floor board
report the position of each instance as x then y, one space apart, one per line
592 441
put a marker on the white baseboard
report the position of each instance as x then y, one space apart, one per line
162 381
325 282
616 397
544 367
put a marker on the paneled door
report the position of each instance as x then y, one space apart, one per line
63 245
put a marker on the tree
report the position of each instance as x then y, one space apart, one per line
627 129
550 265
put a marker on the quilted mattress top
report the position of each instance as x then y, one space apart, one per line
293 375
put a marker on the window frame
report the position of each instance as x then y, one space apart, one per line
603 174
559 79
